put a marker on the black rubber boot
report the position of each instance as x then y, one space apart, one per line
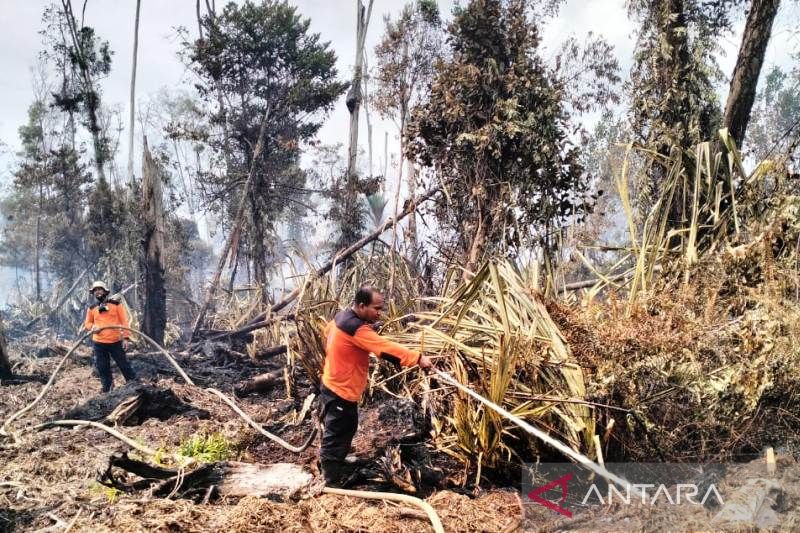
333 471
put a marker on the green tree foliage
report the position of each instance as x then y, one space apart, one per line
496 131
112 233
49 187
256 61
672 85
82 59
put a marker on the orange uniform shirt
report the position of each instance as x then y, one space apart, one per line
115 316
348 343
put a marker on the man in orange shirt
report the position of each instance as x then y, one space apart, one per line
108 343
349 340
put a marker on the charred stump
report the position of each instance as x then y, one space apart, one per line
133 404
154 320
5 364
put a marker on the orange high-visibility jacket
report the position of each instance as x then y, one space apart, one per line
348 343
115 316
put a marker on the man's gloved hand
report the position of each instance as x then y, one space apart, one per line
376 326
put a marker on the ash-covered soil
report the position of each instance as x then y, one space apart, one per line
48 479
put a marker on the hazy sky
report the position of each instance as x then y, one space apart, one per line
159 67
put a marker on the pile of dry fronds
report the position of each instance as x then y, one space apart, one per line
703 351
497 337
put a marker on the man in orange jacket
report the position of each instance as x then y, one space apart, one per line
349 340
108 343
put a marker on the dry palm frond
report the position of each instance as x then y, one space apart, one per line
498 338
323 296
495 334
711 190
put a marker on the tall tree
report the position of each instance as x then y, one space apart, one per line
132 103
89 58
496 133
350 227
269 69
405 60
33 170
757 32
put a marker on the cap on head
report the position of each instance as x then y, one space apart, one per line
99 285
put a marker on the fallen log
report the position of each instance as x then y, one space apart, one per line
260 383
271 352
750 507
279 481
243 332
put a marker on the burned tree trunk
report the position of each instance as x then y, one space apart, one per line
5 365
757 31
350 230
155 293
132 104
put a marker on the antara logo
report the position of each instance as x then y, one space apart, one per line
562 482
647 493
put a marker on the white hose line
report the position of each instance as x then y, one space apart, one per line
560 446
255 425
391 496
4 429
231 404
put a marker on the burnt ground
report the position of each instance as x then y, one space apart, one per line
48 481
49 478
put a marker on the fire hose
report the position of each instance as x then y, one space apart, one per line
560 446
5 429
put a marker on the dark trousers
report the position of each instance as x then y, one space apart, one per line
102 354
340 421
